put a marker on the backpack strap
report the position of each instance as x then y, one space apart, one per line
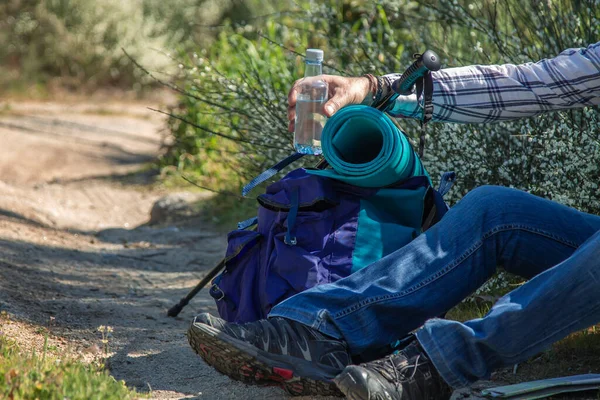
290 235
448 179
270 172
248 223
435 203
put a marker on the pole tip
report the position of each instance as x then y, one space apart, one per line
174 311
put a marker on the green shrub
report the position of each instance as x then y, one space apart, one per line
235 93
553 155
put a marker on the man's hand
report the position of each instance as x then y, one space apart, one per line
342 92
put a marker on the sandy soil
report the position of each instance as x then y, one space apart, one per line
76 253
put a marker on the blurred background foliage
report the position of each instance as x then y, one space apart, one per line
233 61
77 44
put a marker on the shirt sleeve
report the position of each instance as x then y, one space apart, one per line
482 94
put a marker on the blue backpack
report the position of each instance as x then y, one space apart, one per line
312 230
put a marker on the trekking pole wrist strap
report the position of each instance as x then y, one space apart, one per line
424 88
427 97
424 91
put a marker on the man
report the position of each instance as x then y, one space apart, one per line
309 339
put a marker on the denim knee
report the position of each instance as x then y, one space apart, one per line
493 203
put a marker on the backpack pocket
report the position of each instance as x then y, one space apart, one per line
291 269
234 289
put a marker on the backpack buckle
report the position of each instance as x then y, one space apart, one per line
290 241
216 292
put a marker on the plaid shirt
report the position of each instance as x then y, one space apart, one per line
492 93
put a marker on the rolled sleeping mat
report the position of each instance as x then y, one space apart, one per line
364 148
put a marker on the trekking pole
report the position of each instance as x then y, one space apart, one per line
176 309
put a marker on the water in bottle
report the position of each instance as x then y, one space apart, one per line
311 97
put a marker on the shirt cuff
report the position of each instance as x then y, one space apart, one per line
407 106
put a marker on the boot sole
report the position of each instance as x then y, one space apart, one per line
248 364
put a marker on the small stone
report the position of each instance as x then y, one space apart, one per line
173 207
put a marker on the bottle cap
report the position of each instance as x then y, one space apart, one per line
314 55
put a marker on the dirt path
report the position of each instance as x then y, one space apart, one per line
75 250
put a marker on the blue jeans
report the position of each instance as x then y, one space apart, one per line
556 247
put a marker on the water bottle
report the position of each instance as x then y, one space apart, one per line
311 97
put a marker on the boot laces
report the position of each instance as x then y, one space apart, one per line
397 374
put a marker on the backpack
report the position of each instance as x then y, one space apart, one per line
312 230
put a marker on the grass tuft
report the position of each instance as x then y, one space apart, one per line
45 376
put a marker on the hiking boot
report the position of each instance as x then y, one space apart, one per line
406 375
276 351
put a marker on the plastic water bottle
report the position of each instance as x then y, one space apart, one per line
311 97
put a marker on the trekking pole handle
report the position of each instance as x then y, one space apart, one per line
428 61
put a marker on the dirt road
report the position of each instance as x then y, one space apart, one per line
75 252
